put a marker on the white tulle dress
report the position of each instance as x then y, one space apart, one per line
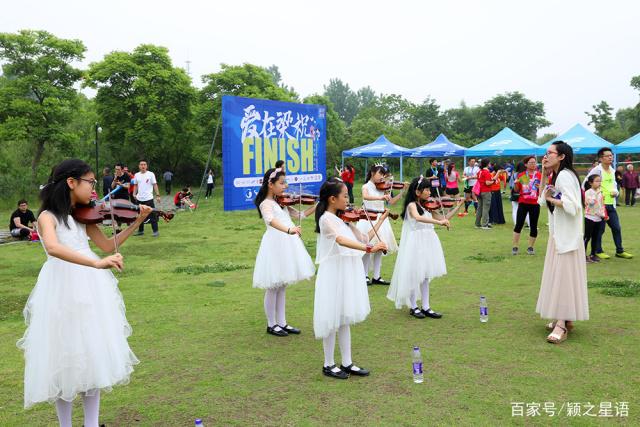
76 337
385 231
341 296
282 258
420 257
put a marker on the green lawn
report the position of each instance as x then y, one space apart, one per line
200 335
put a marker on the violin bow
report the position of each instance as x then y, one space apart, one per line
441 207
371 224
113 227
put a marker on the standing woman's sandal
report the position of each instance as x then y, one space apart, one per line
557 339
551 326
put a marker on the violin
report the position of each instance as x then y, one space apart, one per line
390 185
123 212
352 214
296 199
432 204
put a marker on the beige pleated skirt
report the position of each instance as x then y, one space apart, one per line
563 291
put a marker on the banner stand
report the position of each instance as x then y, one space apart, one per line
206 167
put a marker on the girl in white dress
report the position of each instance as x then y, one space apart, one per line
282 259
375 199
76 337
341 297
420 258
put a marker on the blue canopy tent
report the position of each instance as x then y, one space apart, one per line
439 147
504 143
381 147
582 140
629 146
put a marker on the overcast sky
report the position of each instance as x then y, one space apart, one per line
567 54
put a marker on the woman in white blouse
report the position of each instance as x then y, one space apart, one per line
563 291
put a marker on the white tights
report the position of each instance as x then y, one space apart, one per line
424 292
377 264
274 306
90 405
329 345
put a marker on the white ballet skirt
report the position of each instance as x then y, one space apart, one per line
282 258
341 296
385 231
420 257
76 337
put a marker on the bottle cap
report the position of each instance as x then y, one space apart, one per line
415 347
198 422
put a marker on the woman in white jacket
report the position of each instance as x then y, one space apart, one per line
563 292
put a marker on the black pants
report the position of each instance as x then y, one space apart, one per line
521 216
152 218
593 231
209 190
167 187
350 190
629 196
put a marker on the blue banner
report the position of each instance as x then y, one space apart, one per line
256 133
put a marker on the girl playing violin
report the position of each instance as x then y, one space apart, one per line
375 199
420 258
76 337
341 297
282 258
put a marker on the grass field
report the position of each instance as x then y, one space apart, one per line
199 331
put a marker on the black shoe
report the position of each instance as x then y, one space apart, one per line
416 312
432 314
277 331
290 329
139 233
328 371
368 281
355 370
379 281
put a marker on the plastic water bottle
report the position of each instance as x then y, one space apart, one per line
484 310
198 423
418 377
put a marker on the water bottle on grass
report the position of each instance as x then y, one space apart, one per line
418 376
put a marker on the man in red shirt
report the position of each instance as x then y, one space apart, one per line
348 176
486 180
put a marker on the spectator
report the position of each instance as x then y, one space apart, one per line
527 185
435 173
630 182
610 192
107 180
132 181
452 179
123 180
348 176
168 177
144 187
486 181
210 184
183 198
619 175
496 211
20 220
470 177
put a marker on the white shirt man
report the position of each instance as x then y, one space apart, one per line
145 186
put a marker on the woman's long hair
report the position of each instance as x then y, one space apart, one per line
331 187
264 188
56 194
418 184
566 163
376 168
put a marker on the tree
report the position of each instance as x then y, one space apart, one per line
336 130
392 109
343 99
246 80
601 117
427 118
513 110
365 97
145 105
37 97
